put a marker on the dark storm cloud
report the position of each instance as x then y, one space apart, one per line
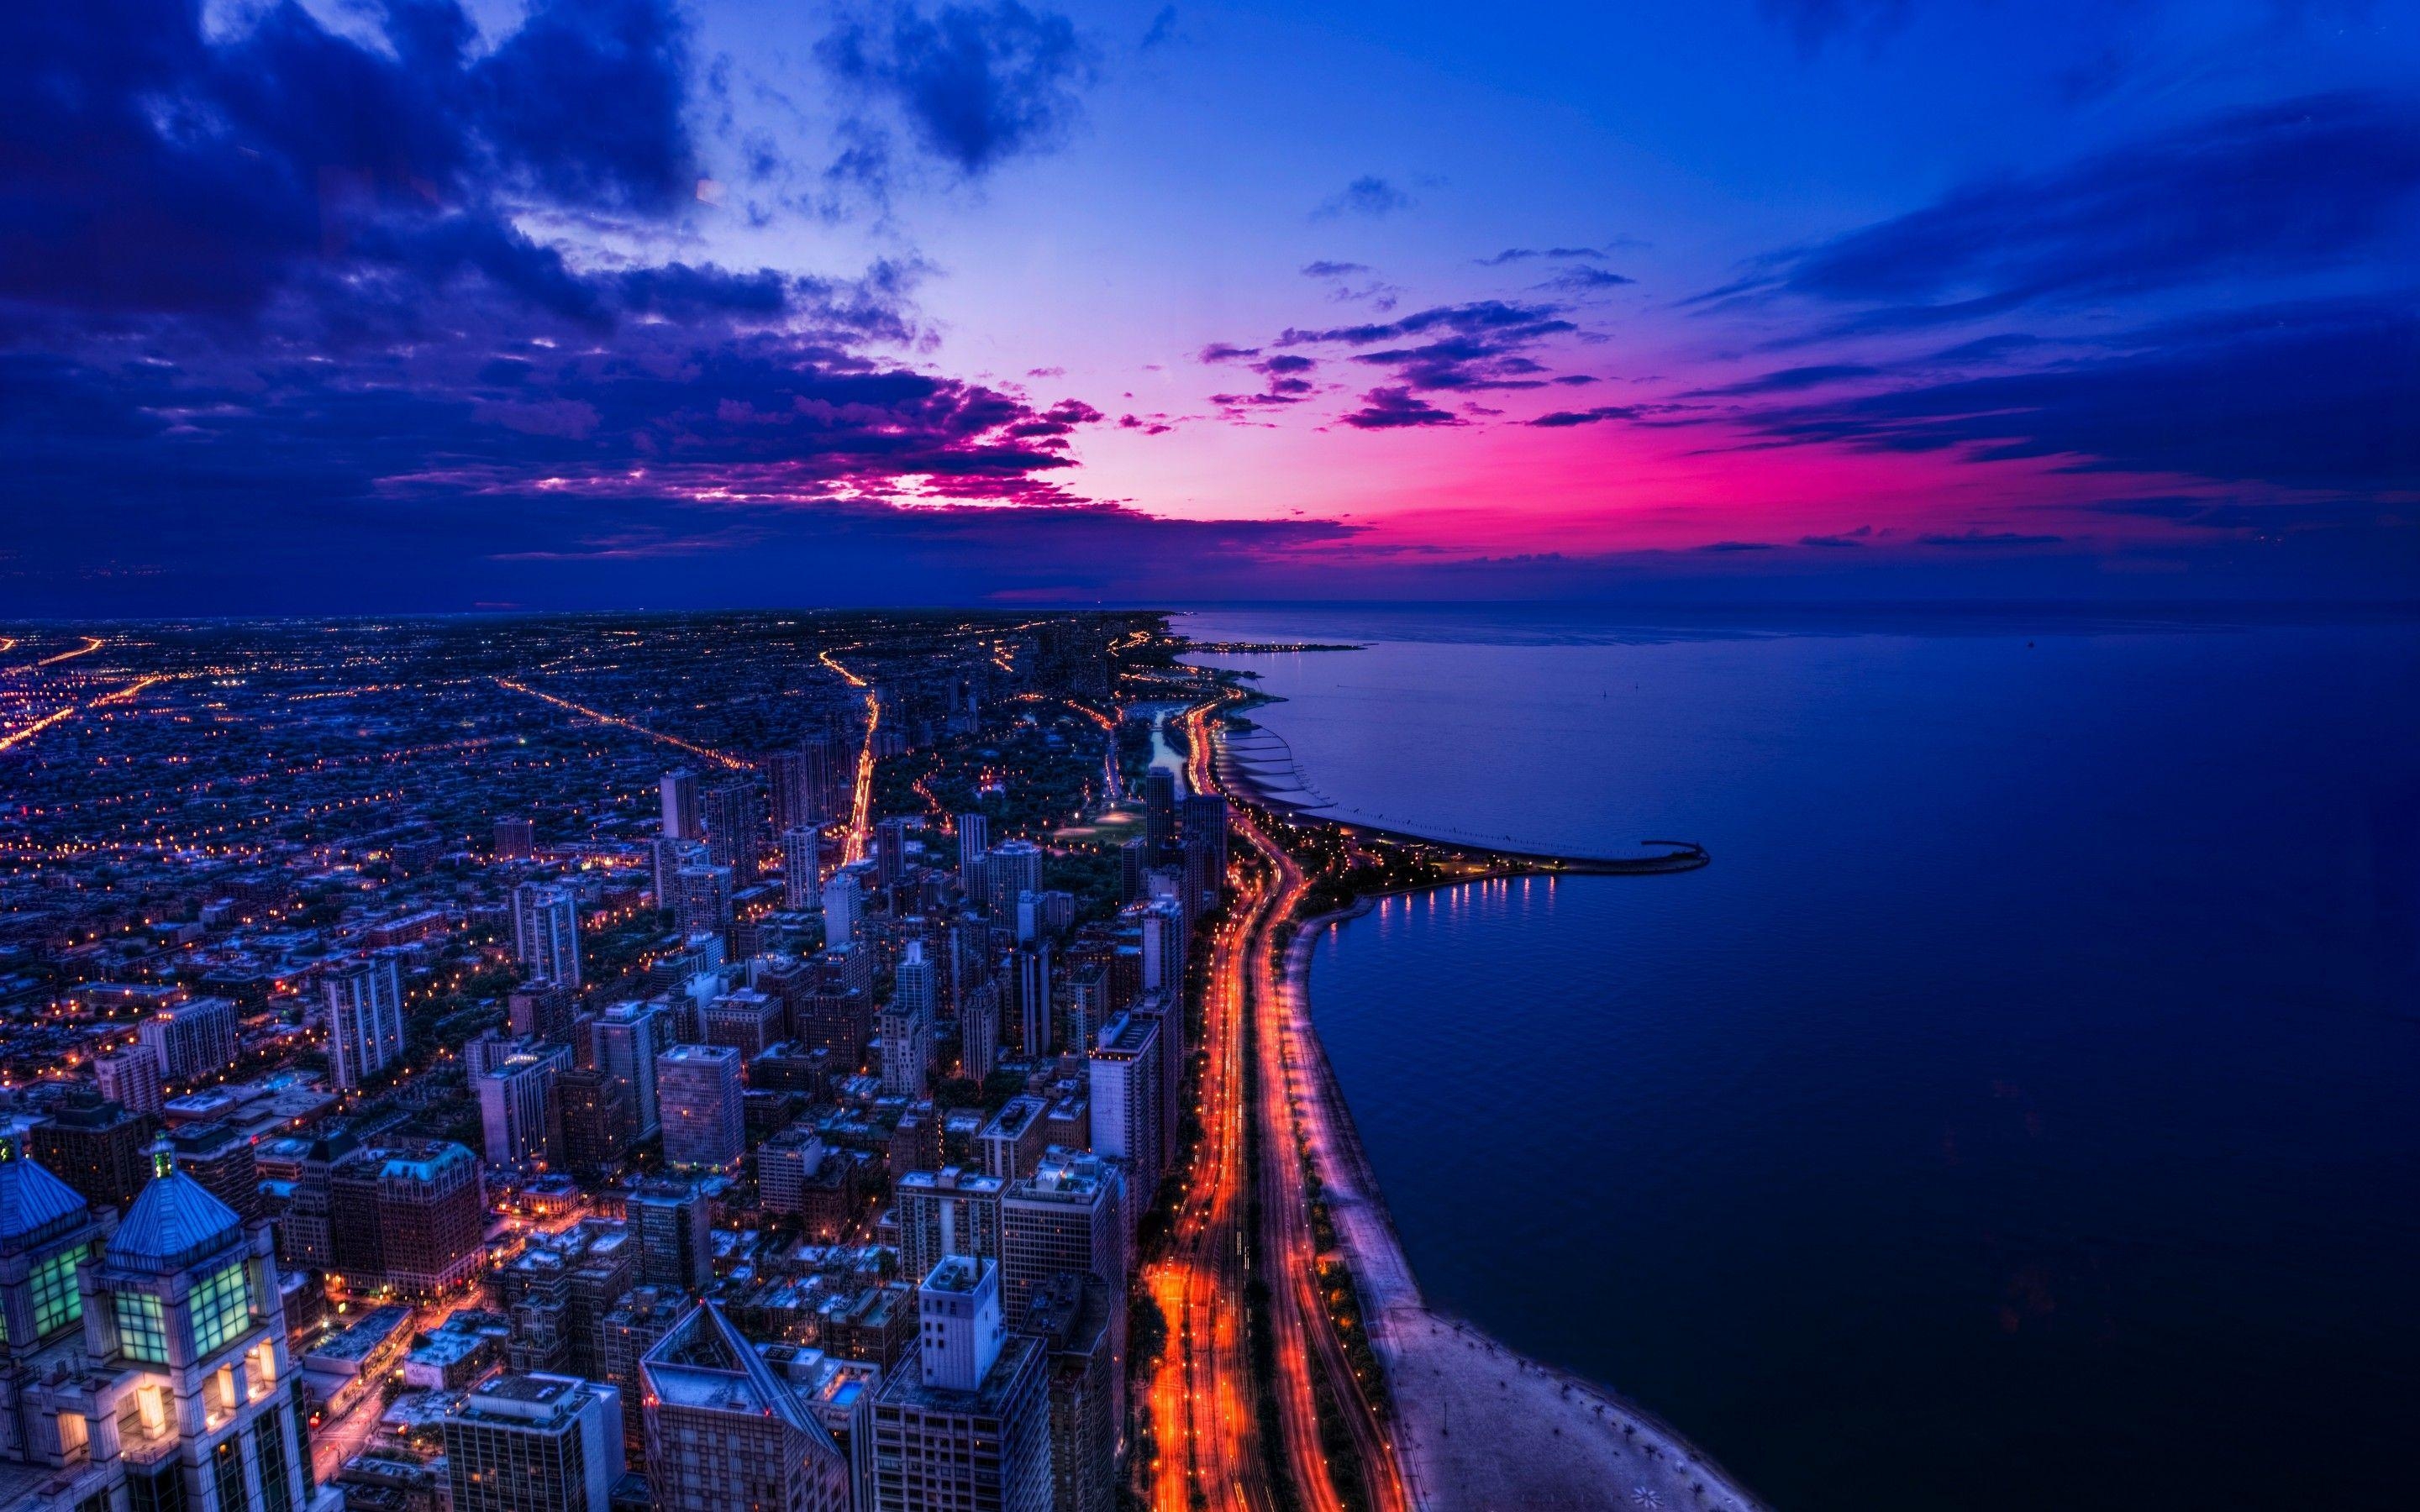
265 293
977 83
2277 190
1398 408
1787 380
2305 395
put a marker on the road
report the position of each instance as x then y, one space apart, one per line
1203 1398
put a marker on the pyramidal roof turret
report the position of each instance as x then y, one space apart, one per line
34 1204
175 1220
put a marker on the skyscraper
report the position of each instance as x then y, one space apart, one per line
952 1211
701 900
969 1427
844 908
674 1232
698 1099
191 1336
364 1020
681 820
519 1114
1029 981
533 1444
191 1039
629 1037
131 1078
734 830
1125 1088
1011 867
725 1434
974 837
1205 828
1066 1216
802 867
1159 812
545 932
890 851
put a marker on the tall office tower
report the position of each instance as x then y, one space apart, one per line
364 1020
665 858
1077 1320
1068 1216
725 1434
1206 825
918 982
682 820
533 1444
890 851
844 908
1088 1002
629 1037
1161 922
673 1226
979 1032
792 785
1199 869
698 1101
220 1156
593 1118
1126 1085
974 837
969 1426
954 1210
519 1114
701 900
545 932
96 1147
515 840
187 1393
191 1041
733 828
131 1078
1159 812
905 1047
1134 867
802 866
1167 1009
1011 867
1029 982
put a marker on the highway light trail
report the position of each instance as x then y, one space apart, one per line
620 723
860 803
91 644
24 732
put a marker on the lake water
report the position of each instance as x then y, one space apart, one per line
2023 1111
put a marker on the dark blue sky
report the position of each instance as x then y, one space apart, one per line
426 304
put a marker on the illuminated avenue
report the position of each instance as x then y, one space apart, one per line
528 986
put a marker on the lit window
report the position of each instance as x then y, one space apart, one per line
222 1307
142 1327
57 1300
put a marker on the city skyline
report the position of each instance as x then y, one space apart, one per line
321 308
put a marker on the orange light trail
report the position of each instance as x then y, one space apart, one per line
29 732
860 804
91 644
631 725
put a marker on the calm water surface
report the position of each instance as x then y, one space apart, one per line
2021 1112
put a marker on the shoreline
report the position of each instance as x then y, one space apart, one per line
1532 1434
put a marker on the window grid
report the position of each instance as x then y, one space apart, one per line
222 1307
142 1327
269 1454
229 1457
57 1301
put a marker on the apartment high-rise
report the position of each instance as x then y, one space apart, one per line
890 851
681 818
969 1427
191 1040
629 1037
844 908
364 1020
698 1096
734 827
1159 812
673 1229
1066 1216
974 837
97 1147
701 900
1010 868
802 866
1125 1082
545 932
726 1434
520 1115
950 1211
131 1078
533 1444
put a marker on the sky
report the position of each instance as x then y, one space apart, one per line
374 305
